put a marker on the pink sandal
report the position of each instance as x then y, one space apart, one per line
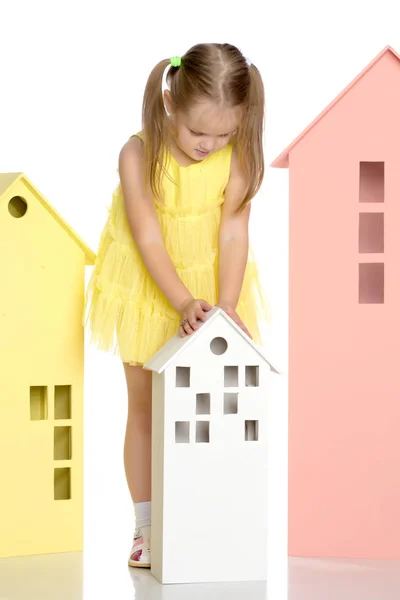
140 552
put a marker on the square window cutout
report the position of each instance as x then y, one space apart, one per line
38 403
203 431
251 431
372 182
371 233
182 377
252 376
182 429
231 376
231 403
203 404
62 443
62 402
62 484
371 283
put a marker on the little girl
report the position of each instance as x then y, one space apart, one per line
176 240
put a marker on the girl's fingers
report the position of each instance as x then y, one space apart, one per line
205 305
193 324
201 315
190 322
190 325
187 326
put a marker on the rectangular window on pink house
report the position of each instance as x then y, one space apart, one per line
371 280
371 275
372 181
371 233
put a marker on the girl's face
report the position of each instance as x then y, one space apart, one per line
205 128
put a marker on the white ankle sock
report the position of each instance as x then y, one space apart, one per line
142 514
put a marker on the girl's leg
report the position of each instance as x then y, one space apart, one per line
137 460
137 450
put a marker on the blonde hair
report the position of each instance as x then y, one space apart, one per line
217 72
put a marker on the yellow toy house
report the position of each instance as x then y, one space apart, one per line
42 268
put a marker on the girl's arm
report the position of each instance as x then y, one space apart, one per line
233 242
142 219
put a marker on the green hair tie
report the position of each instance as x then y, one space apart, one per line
176 61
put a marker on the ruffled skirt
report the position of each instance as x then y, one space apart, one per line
125 311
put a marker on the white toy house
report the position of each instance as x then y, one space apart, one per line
209 456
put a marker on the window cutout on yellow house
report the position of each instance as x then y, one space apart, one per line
17 207
38 403
62 484
62 402
62 443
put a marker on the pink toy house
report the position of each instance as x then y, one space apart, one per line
344 322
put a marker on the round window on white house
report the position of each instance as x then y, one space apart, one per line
218 346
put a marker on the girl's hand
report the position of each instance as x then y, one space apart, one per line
235 317
191 312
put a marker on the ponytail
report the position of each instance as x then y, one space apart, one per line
250 137
218 72
154 128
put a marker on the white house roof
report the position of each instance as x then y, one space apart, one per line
169 353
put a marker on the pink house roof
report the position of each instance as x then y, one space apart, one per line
282 161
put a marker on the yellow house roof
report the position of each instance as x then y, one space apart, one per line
8 180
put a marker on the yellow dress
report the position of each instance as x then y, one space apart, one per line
126 312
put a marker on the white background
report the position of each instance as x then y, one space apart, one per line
71 82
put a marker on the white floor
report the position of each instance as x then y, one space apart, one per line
78 577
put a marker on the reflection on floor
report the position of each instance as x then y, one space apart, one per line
78 577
